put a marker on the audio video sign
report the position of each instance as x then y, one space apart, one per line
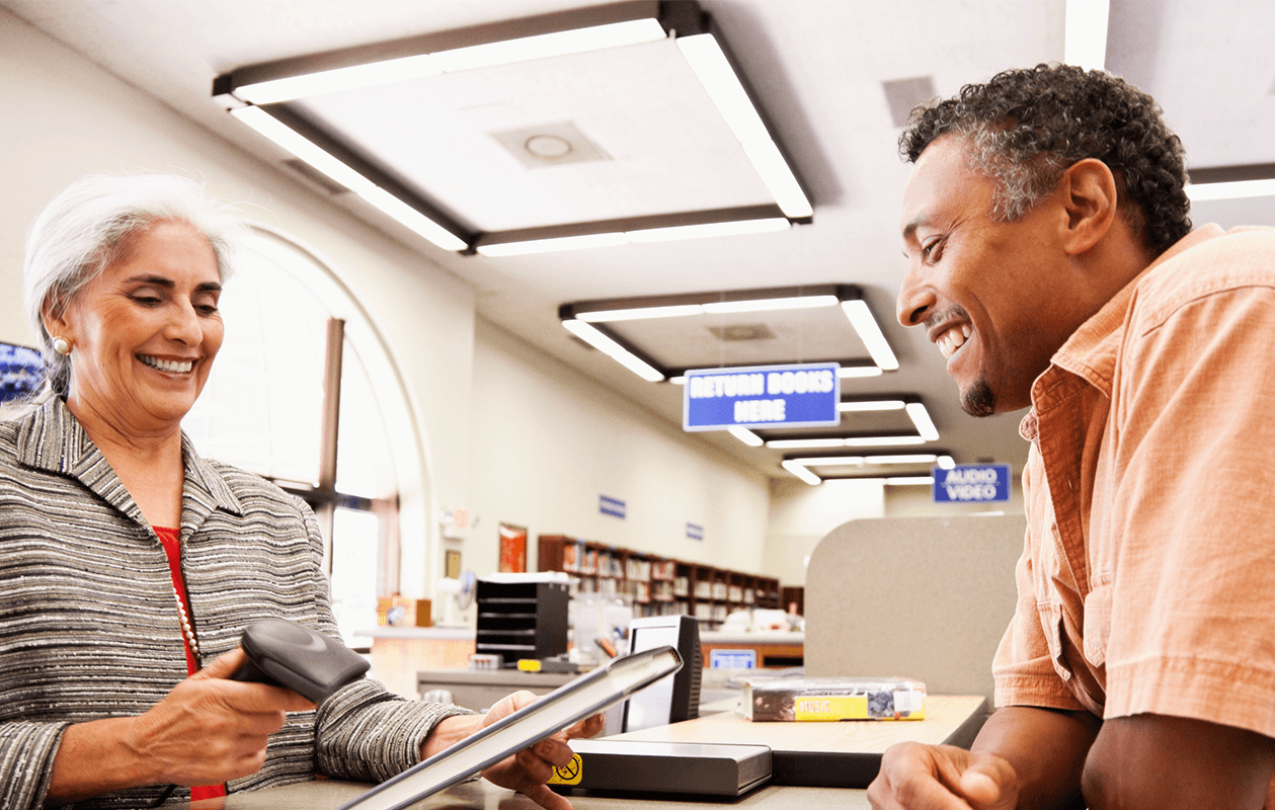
761 397
972 483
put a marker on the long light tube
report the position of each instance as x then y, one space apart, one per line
709 62
924 425
305 149
615 351
710 308
746 436
870 333
801 472
561 43
614 238
872 405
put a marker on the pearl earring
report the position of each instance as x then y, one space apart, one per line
61 345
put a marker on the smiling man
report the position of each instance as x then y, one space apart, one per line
1052 263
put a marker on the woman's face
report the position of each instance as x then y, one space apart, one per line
144 333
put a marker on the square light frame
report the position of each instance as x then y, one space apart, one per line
258 96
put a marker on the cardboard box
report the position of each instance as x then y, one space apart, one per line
399 611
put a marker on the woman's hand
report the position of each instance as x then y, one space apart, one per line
205 731
529 769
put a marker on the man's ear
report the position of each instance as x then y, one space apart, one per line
1089 197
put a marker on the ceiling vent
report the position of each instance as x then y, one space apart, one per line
740 332
549 145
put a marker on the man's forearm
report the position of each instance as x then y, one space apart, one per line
1047 749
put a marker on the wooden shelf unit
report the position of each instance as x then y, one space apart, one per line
658 585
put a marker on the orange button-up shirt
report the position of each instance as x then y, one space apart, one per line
1147 584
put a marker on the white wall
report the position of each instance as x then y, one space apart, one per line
800 516
548 442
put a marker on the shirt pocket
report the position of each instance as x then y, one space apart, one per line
1051 622
1097 620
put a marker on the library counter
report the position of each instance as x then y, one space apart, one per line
482 795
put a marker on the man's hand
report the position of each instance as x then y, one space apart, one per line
942 777
1024 758
529 769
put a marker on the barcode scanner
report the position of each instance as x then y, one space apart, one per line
284 653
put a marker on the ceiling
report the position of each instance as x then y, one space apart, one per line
820 70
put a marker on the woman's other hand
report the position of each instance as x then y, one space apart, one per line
529 769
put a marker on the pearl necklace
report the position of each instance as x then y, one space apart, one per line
187 629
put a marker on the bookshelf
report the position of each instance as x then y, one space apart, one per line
659 586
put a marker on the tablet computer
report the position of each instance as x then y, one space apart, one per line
573 701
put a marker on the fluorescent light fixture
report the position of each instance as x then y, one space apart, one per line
292 141
910 481
873 405
639 313
524 49
412 218
768 304
592 240
853 372
1232 190
853 441
915 458
870 333
709 62
946 462
831 461
616 238
706 308
305 149
882 441
613 350
559 43
333 81
924 425
739 227
801 472
746 436
679 380
1085 43
804 444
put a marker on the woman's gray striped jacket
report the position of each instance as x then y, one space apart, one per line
89 629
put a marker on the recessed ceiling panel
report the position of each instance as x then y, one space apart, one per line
664 146
777 337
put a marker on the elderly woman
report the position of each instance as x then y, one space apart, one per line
129 565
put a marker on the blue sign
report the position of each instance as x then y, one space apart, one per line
732 659
761 397
611 506
972 483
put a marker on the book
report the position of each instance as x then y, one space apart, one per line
807 699
575 700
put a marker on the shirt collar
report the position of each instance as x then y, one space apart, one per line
1090 352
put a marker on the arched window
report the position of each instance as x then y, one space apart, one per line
291 323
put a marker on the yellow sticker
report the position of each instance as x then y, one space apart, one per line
568 774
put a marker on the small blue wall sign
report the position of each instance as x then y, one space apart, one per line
972 483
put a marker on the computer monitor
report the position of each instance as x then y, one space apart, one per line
676 697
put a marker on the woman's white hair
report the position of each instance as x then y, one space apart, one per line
90 223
